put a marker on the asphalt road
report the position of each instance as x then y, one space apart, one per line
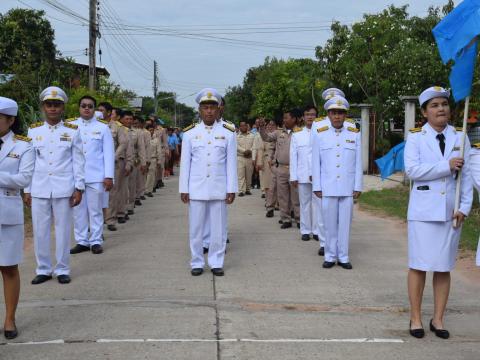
139 301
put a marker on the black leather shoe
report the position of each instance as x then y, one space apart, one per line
280 221
228 241
218 272
77 249
441 333
196 271
286 225
298 225
205 250
328 264
138 202
306 237
154 189
248 192
416 333
127 217
241 194
39 279
346 266
161 184
112 227
143 198
64 279
269 213
315 237
97 249
131 212
149 194
121 220
10 334
263 196
321 251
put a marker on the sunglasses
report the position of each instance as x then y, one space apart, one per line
86 106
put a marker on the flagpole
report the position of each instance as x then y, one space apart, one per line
462 152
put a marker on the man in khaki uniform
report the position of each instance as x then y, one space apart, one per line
141 177
126 119
287 193
244 159
155 150
139 166
263 161
120 140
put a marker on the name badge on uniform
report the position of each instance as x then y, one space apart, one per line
220 137
96 133
198 137
65 137
13 155
456 148
350 141
39 138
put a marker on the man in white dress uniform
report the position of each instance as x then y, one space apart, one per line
57 185
208 179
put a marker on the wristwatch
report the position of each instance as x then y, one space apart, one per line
80 191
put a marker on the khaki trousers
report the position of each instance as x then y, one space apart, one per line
244 173
115 199
151 176
287 195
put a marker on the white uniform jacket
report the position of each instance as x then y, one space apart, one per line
301 156
337 161
59 160
432 197
16 169
98 148
208 167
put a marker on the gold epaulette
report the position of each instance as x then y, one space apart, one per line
415 130
229 127
35 125
23 138
103 121
229 122
318 119
119 124
352 129
297 129
70 126
476 145
322 129
189 127
459 128
351 121
69 119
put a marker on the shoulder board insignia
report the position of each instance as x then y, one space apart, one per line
229 122
23 138
352 129
415 130
476 145
297 129
70 126
459 128
189 127
229 127
119 124
318 119
35 125
322 129
70 120
351 121
103 121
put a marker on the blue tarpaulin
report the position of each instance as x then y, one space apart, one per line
392 161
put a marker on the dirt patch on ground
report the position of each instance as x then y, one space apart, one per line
467 268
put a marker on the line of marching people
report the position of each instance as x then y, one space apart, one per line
78 174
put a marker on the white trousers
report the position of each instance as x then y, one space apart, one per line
207 214
206 234
89 215
337 214
475 171
43 210
311 219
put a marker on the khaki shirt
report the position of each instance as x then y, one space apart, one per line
244 143
146 140
281 138
120 139
138 145
155 150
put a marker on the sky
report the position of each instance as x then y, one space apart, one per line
192 40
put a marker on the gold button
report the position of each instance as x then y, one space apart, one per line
338 165
51 152
208 175
338 144
50 174
443 193
209 142
208 154
338 176
338 155
50 163
208 165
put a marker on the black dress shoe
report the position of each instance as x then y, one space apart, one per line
328 264
248 192
228 241
143 198
346 266
315 237
64 279
97 249
112 227
138 202
39 279
298 225
241 194
441 333
149 194
218 272
130 212
196 271
280 221
263 196
77 249
121 220
127 217
306 237
10 334
286 225
416 333
161 184
321 251
205 250
269 213
154 189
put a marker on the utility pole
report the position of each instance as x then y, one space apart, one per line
155 85
92 44
175 105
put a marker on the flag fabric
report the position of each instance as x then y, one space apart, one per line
392 161
456 39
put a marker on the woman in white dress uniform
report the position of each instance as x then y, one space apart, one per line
16 169
432 161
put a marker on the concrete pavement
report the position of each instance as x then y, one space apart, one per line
139 301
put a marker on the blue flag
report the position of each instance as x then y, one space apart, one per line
461 76
392 161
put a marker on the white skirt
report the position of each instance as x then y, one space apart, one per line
11 244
